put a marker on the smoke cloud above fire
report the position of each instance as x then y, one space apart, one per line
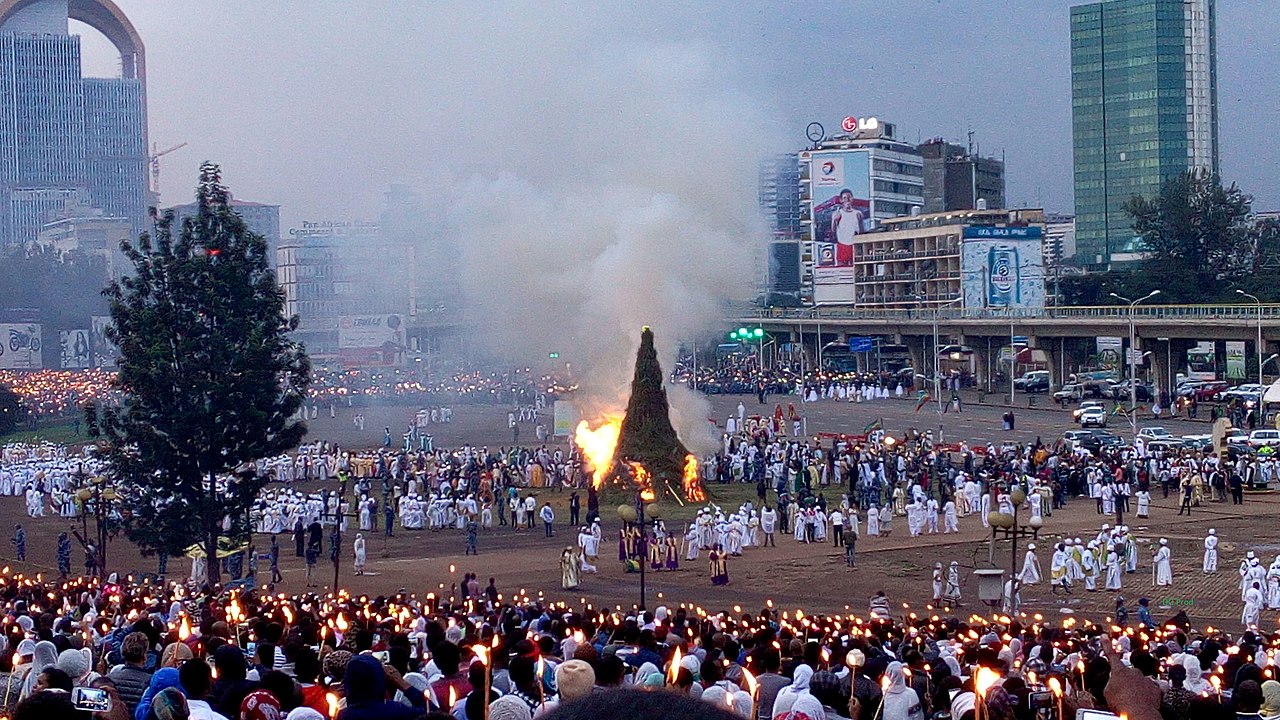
613 186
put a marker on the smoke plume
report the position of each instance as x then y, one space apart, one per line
622 195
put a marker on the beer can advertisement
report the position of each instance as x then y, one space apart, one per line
1002 268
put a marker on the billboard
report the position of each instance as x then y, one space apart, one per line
1109 351
371 340
105 352
840 210
565 417
1235 360
1002 268
75 349
20 346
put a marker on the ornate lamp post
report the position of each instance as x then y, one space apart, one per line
1007 524
642 516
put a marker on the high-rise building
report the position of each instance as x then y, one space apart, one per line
1144 108
780 205
848 184
64 137
957 178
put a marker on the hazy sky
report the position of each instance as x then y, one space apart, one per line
320 105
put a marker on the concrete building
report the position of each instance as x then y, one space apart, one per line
63 136
1144 108
335 270
262 218
979 259
849 184
1059 239
86 229
957 178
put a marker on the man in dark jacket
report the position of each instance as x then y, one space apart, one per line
365 683
131 677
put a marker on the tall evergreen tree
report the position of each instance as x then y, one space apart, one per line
211 379
1197 231
647 436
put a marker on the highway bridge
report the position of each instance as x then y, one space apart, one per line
1065 334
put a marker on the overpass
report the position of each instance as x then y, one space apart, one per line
1065 334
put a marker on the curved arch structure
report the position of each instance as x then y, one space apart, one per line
105 17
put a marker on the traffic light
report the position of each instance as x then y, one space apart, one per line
553 355
758 332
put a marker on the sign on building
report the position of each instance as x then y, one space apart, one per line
20 346
75 349
371 340
1002 268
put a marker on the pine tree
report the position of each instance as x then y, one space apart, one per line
647 436
210 377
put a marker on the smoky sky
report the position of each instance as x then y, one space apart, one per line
319 106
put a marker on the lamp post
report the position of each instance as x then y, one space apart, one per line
748 335
636 514
937 374
1258 346
1129 357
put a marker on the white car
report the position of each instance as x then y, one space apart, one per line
1085 405
1093 417
1262 438
1154 433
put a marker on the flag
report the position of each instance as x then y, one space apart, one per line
922 398
872 426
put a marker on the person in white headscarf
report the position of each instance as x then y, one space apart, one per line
1211 552
361 554
1195 682
901 701
1163 566
1030 574
784 705
44 657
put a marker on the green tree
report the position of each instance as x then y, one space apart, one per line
1196 230
12 412
210 377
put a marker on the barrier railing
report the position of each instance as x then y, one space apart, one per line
1116 312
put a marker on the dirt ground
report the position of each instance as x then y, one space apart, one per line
813 577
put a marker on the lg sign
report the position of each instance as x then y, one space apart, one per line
853 124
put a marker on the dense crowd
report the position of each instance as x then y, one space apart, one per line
179 652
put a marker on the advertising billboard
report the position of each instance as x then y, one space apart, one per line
105 352
1235 360
75 349
371 340
1002 269
20 346
840 209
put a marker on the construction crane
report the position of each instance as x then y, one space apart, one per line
155 165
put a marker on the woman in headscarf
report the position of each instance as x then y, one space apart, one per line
901 701
163 679
76 665
784 706
1195 683
1270 709
44 657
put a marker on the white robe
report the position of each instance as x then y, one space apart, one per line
1211 554
1030 574
1163 567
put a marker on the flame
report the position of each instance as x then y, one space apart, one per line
332 700
984 679
692 484
750 680
184 630
675 666
453 697
598 446
644 480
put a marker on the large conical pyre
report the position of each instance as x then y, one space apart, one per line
647 453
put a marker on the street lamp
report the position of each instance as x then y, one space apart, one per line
937 375
1133 388
1258 347
635 514
748 335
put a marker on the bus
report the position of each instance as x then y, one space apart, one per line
1202 362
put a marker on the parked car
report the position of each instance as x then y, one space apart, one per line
1236 436
1244 392
1260 438
1208 391
1071 392
1093 417
1198 442
1033 382
1168 445
1120 391
1076 438
1154 433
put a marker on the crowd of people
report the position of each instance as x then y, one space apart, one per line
177 652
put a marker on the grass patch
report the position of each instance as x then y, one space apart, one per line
61 434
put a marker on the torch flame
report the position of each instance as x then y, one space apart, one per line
184 630
598 446
692 483
675 666
332 700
